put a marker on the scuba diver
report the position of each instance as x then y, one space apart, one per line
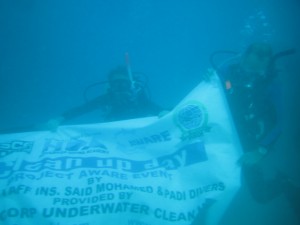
254 97
126 98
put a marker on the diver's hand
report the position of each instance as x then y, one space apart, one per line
52 124
163 113
253 157
207 77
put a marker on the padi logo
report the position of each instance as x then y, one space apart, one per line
80 145
192 119
15 147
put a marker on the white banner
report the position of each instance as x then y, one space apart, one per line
179 169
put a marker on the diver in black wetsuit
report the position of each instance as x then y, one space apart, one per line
124 99
254 98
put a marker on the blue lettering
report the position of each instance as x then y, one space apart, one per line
187 155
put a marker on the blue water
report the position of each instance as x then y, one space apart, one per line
51 50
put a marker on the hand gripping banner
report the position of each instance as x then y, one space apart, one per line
176 170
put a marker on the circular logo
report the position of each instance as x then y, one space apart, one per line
191 118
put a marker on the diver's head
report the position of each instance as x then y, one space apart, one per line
119 80
120 85
257 58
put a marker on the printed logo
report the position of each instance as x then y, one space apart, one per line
15 147
80 145
191 119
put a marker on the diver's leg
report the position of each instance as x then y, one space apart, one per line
261 190
292 193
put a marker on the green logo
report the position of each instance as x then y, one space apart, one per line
191 118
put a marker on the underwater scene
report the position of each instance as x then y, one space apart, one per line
147 112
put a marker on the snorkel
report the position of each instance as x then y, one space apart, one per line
136 85
127 62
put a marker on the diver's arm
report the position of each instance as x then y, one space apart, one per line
92 105
147 106
265 144
154 108
271 137
54 123
276 100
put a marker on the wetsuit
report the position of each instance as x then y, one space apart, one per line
256 107
255 104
